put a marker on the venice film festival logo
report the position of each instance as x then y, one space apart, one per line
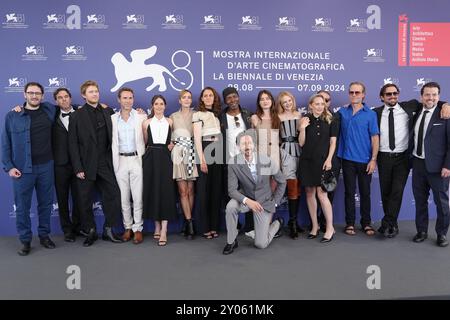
74 53
15 84
374 55
322 25
249 23
180 77
95 21
56 82
286 24
134 21
173 21
212 22
55 21
34 53
14 21
357 25
420 82
391 80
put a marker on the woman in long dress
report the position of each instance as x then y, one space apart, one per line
159 190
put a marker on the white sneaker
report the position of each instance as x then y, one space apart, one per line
250 234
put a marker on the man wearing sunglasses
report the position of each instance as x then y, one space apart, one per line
27 157
233 120
358 149
396 122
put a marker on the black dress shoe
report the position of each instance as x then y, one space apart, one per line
229 248
25 250
442 241
47 243
91 238
69 237
420 236
108 235
313 236
382 230
392 232
280 229
325 240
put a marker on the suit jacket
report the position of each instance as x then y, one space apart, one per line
412 108
139 138
437 142
83 141
60 140
241 183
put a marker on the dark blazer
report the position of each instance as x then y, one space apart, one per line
412 109
83 141
60 140
437 142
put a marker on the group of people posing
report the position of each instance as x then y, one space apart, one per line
215 158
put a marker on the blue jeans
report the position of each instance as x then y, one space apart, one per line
42 179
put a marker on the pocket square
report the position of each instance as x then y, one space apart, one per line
438 124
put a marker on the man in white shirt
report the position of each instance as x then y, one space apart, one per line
127 149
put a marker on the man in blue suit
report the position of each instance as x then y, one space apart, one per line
431 164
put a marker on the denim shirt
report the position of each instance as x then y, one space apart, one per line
16 142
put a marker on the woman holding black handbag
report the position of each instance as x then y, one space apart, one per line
317 137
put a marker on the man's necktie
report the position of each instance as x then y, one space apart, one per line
391 129
420 138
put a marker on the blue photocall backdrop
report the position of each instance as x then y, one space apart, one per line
163 46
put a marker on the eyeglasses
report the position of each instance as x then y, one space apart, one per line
37 94
390 94
236 122
356 93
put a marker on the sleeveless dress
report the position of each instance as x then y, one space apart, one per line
159 201
290 148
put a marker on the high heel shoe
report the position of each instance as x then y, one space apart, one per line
325 240
313 236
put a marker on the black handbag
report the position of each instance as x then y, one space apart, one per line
328 181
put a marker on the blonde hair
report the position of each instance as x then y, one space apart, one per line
279 107
326 114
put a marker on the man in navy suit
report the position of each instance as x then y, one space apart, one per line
431 164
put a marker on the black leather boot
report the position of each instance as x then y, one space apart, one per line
292 224
25 250
183 228
189 233
293 208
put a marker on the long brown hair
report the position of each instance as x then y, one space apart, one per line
273 110
216 107
155 97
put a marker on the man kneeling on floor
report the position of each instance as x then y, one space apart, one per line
249 188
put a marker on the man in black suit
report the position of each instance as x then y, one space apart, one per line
65 179
396 123
431 164
90 137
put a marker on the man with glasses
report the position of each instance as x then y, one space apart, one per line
395 120
358 149
28 159
233 120
431 164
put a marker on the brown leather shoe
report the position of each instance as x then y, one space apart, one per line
138 238
127 235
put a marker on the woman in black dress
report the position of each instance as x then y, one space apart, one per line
159 189
317 136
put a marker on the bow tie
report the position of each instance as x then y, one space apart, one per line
65 114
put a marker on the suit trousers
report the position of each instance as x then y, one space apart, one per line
130 180
422 182
353 171
264 229
393 174
106 183
65 184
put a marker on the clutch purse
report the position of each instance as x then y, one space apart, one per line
328 181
